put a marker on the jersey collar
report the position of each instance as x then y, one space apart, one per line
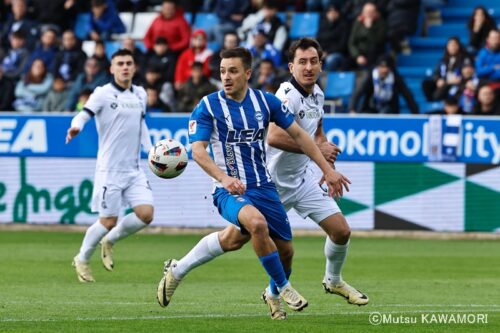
298 87
113 82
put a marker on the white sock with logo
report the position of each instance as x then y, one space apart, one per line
92 237
127 226
208 248
335 257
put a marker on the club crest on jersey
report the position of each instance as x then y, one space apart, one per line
113 105
301 114
258 115
192 126
245 136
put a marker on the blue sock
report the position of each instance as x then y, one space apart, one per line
274 268
273 287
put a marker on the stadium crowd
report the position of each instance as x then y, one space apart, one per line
43 66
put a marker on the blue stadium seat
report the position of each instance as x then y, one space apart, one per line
205 21
462 14
304 25
419 59
339 84
448 30
432 44
415 72
431 106
472 3
189 17
82 25
111 47
282 16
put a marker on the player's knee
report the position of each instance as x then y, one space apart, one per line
341 236
145 214
257 227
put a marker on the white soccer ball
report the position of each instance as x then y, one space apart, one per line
167 158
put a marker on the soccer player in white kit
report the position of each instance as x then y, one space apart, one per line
119 108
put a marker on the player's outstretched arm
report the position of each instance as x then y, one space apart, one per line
279 138
77 124
334 180
200 155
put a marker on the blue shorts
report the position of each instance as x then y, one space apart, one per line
265 198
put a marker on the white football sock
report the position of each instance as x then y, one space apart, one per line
208 248
128 225
92 237
335 257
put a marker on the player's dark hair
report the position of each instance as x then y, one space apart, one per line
304 44
238 52
122 52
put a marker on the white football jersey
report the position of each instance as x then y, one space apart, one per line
118 115
287 169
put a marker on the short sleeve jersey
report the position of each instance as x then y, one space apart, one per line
287 169
118 114
237 132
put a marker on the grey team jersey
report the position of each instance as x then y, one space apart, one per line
287 169
119 114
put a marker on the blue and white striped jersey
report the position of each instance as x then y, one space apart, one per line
237 132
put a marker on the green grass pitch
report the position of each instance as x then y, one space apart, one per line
404 278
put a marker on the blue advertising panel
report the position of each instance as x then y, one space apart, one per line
362 138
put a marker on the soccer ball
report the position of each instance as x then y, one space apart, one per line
167 158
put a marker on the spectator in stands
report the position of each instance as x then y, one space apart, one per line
139 56
132 5
401 20
381 90
263 49
447 73
487 102
105 20
195 89
480 24
154 104
61 13
171 25
161 56
57 96
198 52
322 5
101 56
467 90
333 34
230 13
92 77
7 95
153 78
268 19
367 37
46 49
231 41
451 107
488 58
353 8
15 60
267 77
19 21
33 88
83 97
70 59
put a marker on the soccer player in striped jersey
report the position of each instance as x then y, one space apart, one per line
119 109
234 122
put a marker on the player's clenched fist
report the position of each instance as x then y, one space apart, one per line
233 185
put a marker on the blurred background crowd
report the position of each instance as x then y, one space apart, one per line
384 56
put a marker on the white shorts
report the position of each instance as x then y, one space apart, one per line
309 199
114 190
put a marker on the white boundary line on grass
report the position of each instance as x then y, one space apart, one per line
371 305
241 315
